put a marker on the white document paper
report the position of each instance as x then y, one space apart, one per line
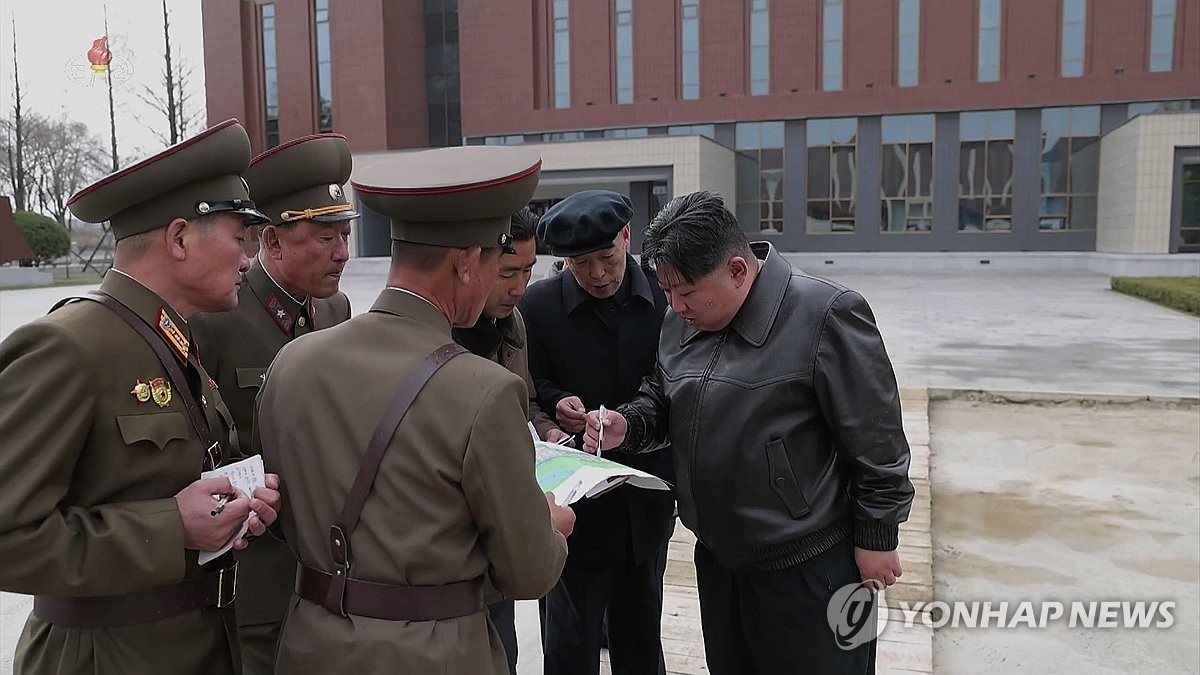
247 475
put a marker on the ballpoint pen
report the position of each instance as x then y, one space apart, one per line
221 502
600 433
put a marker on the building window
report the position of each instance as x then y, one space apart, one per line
832 175
706 130
1162 36
1189 212
1136 109
689 48
1074 37
760 47
624 51
636 132
562 54
831 60
270 75
908 61
985 171
1070 168
442 84
906 178
324 67
759 172
557 136
989 40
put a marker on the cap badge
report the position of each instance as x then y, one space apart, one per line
335 192
203 208
140 391
160 390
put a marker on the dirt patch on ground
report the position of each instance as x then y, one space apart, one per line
1066 501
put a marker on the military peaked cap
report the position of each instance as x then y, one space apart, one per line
198 177
459 196
585 222
303 179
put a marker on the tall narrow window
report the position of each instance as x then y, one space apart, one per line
324 67
442 83
832 175
985 170
1162 36
831 60
989 40
1070 168
759 173
760 47
906 177
624 51
689 49
562 55
1074 37
908 61
270 75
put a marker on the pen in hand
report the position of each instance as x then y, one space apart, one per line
600 433
222 500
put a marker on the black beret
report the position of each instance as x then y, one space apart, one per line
584 223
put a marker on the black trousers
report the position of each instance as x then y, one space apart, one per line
573 615
504 617
774 623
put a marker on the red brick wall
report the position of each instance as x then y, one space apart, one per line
233 74
495 71
296 59
404 71
356 34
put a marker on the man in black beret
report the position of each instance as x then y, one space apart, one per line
592 336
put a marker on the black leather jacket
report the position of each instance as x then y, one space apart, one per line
785 425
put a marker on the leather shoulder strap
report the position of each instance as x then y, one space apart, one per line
168 361
340 532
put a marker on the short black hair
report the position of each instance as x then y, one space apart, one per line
694 234
524 224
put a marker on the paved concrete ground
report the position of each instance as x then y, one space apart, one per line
1066 502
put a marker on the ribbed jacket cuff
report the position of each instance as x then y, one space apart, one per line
635 434
876 535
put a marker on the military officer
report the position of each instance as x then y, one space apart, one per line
108 420
499 335
408 462
290 289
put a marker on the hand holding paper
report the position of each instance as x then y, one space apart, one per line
246 476
572 475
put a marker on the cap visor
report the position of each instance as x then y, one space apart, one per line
337 217
251 216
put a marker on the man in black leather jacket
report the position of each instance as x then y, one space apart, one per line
776 392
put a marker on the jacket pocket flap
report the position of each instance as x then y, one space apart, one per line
783 480
250 377
158 428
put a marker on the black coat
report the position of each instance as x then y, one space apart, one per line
599 350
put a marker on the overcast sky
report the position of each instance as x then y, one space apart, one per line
53 37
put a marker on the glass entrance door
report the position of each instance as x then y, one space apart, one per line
1189 212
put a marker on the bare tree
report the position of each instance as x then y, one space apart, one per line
68 158
14 138
170 99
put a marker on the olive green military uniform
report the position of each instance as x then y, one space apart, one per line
238 345
97 442
455 498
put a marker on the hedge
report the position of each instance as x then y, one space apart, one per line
1181 293
46 238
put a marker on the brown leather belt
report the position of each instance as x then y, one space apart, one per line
211 589
393 602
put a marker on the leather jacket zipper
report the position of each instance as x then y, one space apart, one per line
704 377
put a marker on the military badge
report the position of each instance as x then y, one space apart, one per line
335 192
141 391
278 314
160 391
172 334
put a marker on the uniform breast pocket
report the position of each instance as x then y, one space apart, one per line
783 479
250 378
156 428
